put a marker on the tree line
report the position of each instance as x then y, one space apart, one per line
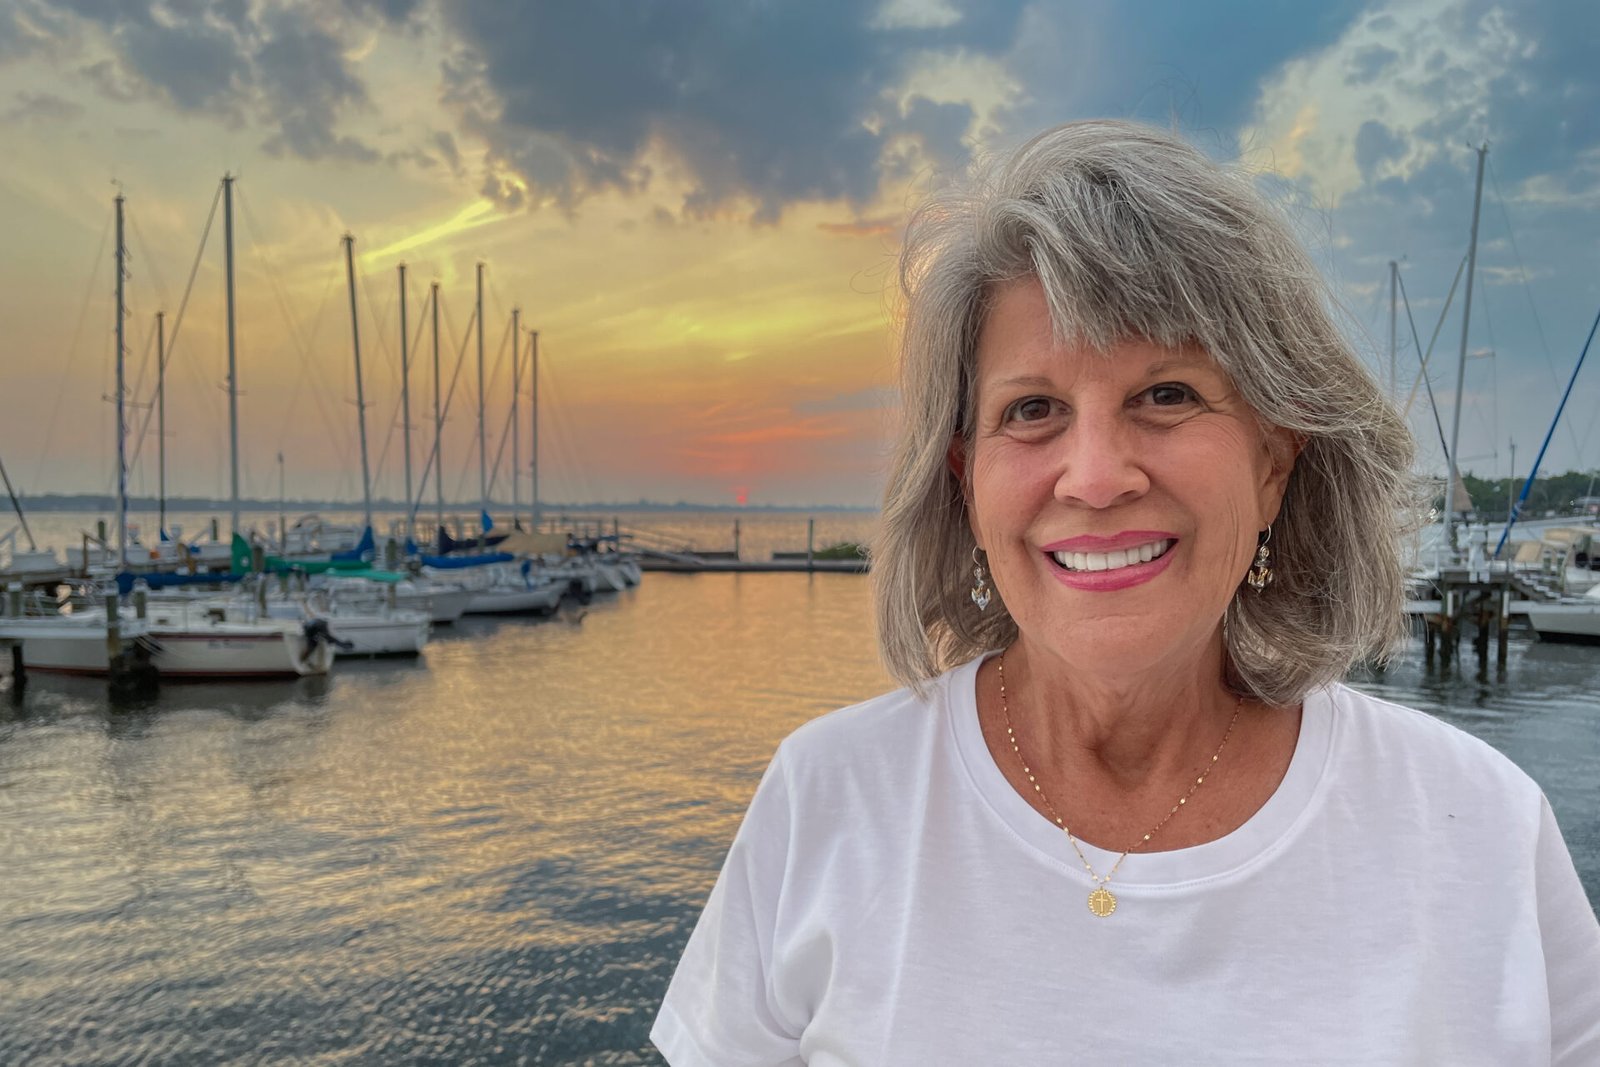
1559 493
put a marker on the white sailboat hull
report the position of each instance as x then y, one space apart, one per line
221 654
401 633
541 599
610 577
220 650
1566 622
442 606
66 644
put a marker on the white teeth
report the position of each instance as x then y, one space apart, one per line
1109 561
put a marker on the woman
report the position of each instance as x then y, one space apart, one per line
1145 512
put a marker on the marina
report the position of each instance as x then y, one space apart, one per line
441 446
492 852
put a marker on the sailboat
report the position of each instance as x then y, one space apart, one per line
178 643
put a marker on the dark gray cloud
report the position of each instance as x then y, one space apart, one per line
304 75
44 108
766 102
1370 63
194 65
28 27
281 64
107 79
1544 110
1376 144
1521 79
1201 64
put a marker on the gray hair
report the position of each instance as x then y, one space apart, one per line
1134 234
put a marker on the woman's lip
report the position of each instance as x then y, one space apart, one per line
1108 581
1094 543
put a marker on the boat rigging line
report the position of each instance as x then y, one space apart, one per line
303 344
1538 323
395 416
1533 471
72 352
444 411
1432 402
1422 370
183 306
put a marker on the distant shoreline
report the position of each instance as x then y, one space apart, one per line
56 502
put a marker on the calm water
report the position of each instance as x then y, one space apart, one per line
493 855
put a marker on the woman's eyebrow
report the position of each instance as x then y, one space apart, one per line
1033 380
1188 364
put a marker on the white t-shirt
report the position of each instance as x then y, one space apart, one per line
1404 897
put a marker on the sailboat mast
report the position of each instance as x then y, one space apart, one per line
233 363
1394 306
438 416
483 449
16 505
1461 367
533 434
516 387
405 391
361 400
161 419
122 429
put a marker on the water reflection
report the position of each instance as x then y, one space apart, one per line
493 852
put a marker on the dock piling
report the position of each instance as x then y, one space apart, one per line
1503 635
113 627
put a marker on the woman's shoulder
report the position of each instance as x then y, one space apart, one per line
1402 743
883 731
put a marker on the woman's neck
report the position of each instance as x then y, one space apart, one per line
1127 730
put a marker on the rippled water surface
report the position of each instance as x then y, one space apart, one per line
491 855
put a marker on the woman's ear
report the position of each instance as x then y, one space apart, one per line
956 460
1282 448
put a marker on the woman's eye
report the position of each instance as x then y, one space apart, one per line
1169 394
1029 409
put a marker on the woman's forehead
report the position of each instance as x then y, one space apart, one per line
1045 360
1018 326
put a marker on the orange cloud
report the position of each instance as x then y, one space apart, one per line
879 227
767 435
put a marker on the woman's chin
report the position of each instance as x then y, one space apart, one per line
1121 648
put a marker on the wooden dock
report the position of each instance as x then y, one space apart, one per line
689 563
1483 600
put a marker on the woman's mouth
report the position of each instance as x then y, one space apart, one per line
1115 560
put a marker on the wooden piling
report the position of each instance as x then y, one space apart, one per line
1503 636
113 627
811 543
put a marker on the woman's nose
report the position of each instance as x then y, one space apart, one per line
1101 463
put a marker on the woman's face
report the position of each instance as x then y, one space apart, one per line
1117 496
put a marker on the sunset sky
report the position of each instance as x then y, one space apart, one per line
697 204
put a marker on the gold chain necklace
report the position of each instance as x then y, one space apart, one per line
1102 901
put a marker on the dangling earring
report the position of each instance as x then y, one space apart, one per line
1260 575
980 584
